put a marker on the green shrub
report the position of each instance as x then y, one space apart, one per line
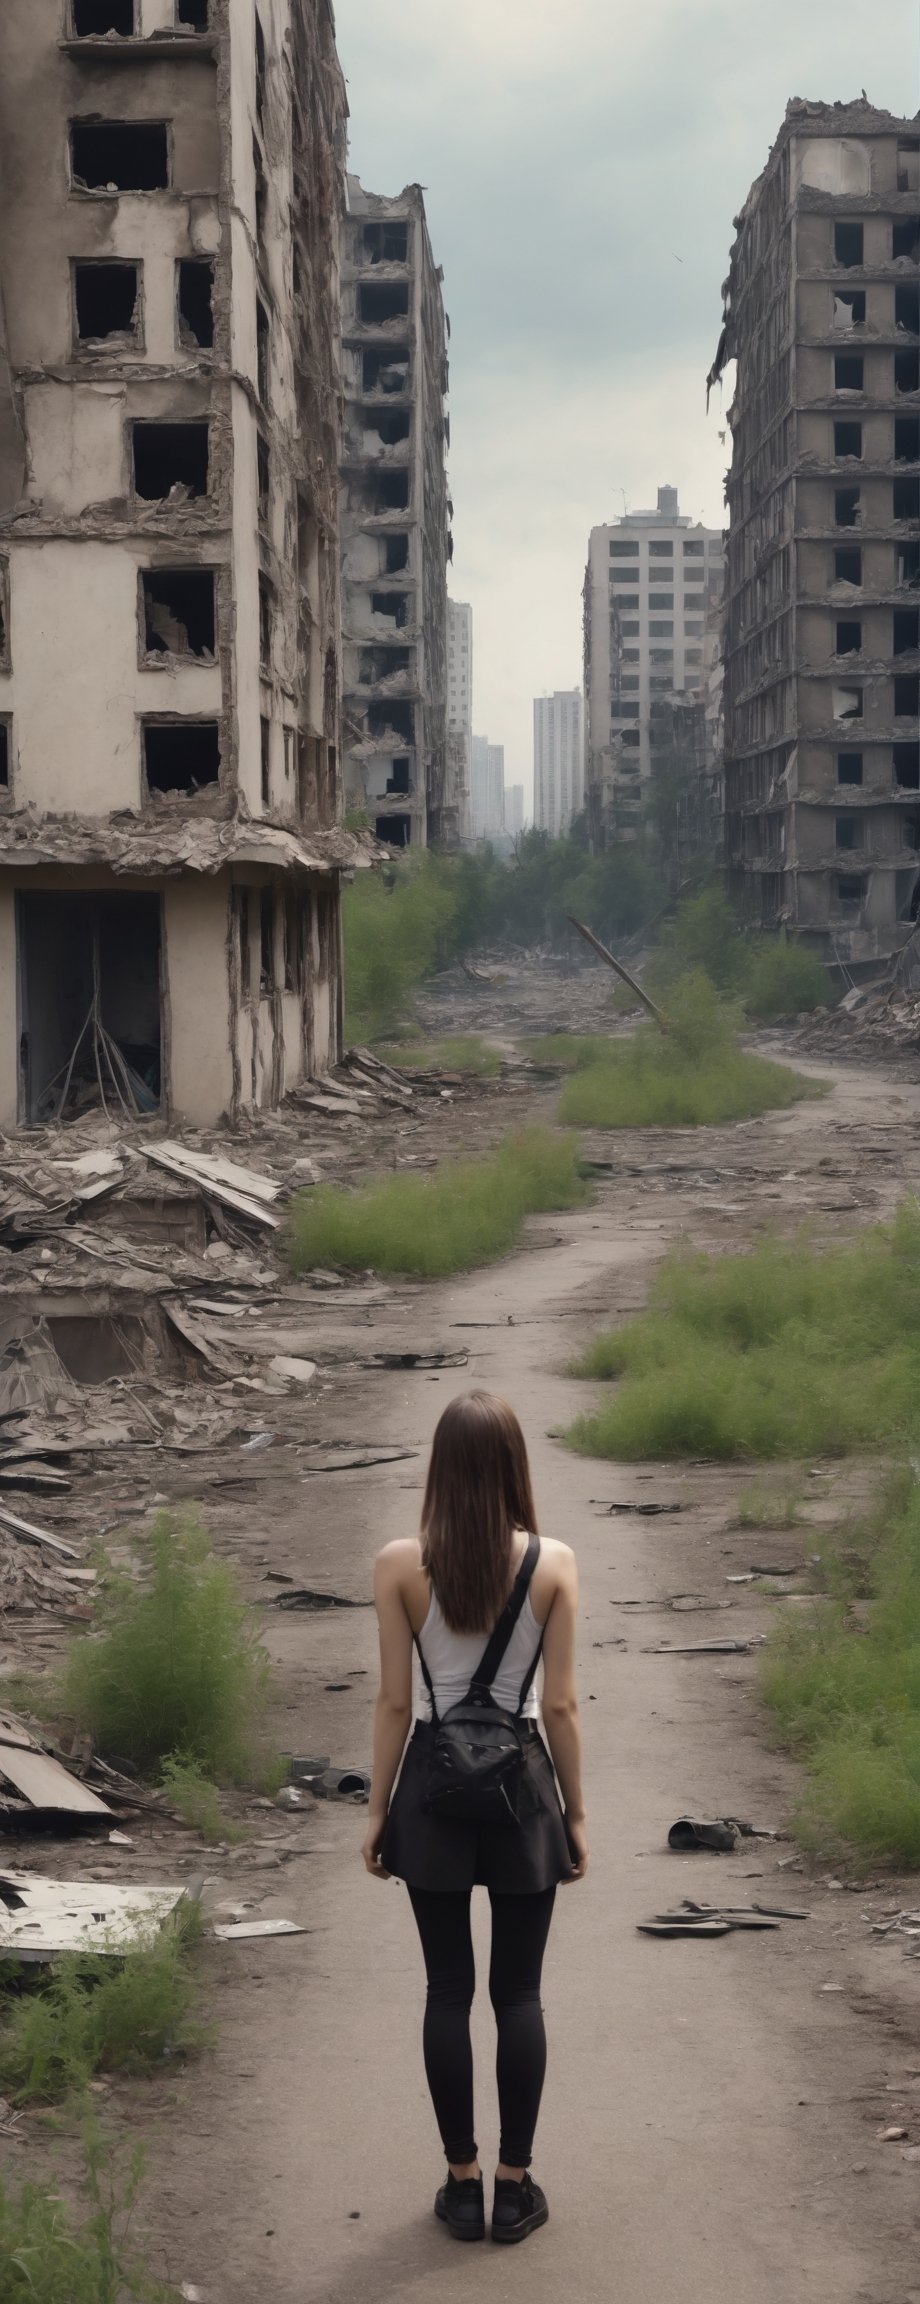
466 1053
703 937
466 1213
790 1351
692 1075
396 930
844 1684
103 2012
784 980
770 1503
195 1798
175 1666
49 2256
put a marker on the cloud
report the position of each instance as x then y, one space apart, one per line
582 168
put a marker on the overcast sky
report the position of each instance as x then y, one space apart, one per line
583 161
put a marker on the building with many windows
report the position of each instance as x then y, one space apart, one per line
822 641
558 761
460 707
652 583
487 790
171 176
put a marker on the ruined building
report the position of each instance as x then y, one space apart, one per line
822 643
460 709
558 761
171 179
653 583
395 517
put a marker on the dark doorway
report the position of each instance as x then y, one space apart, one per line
89 1004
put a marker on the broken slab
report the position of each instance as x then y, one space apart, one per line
39 1918
48 1789
241 1189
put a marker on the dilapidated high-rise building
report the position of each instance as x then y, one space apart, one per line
171 182
395 515
822 642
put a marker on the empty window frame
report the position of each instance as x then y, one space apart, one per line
624 548
399 778
263 353
193 14
396 555
848 564
661 631
907 307
106 303
266 618
849 372
907 696
695 550
905 238
386 371
907 439
848 244
662 600
908 165
850 308
385 244
849 889
292 942
909 565
119 155
265 761
847 638
846 507
93 19
6 752
847 439
382 301
905 499
660 551
905 631
179 612
167 456
847 703
849 767
848 832
392 491
630 631
181 755
195 302
395 830
910 832
393 605
266 940
905 761
907 371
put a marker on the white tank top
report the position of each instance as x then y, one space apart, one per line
452 1658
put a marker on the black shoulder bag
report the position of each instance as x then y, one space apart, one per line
476 1766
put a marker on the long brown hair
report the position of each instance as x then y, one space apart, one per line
477 1493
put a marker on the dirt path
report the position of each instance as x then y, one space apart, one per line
712 2111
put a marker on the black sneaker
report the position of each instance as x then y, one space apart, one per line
461 2207
518 2208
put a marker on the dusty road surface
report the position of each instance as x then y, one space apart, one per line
713 2113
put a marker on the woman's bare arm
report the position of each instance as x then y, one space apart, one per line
560 1705
394 1702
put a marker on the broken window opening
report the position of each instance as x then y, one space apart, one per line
193 13
905 238
909 565
907 439
106 301
181 755
266 609
265 760
92 19
392 491
263 353
169 458
264 472
905 761
395 830
391 425
850 309
846 507
386 243
848 639
292 942
6 750
392 719
849 370
398 779
907 307
849 767
195 301
847 440
393 605
907 696
89 993
386 371
907 371
260 70
179 611
908 165
906 631
905 500
847 703
378 664
382 301
848 831
397 555
850 890
289 737
119 155
910 832
848 244
242 929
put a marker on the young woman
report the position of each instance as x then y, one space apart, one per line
447 1592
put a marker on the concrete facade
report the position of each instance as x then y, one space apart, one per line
653 583
514 810
395 520
487 789
171 179
460 707
558 761
822 643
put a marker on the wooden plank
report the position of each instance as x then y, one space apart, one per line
33 1535
45 1784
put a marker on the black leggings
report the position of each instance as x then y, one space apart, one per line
520 1927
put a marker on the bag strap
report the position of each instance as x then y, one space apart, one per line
489 1664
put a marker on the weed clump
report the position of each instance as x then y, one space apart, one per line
568 1051
466 1213
174 1667
769 976
195 1798
693 1075
844 1684
790 1351
49 2256
123 2011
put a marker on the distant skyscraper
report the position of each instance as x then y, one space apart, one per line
514 809
558 760
460 700
487 789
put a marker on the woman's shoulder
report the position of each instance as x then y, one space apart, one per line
556 1554
402 1557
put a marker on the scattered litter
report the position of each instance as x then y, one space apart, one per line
644 1511
258 1443
715 1919
120 1840
314 1602
241 1189
338 1457
342 1784
41 1917
720 1832
893 2135
302 1771
414 1360
236 1930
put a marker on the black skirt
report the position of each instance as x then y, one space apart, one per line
445 1854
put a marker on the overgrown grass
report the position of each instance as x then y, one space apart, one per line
51 2255
693 1075
792 1351
174 1666
466 1213
771 1504
466 1053
844 1684
196 1799
769 976
113 2012
784 980
568 1051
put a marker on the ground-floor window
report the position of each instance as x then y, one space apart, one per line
89 1003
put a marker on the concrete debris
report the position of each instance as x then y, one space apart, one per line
41 1918
36 1789
239 1931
